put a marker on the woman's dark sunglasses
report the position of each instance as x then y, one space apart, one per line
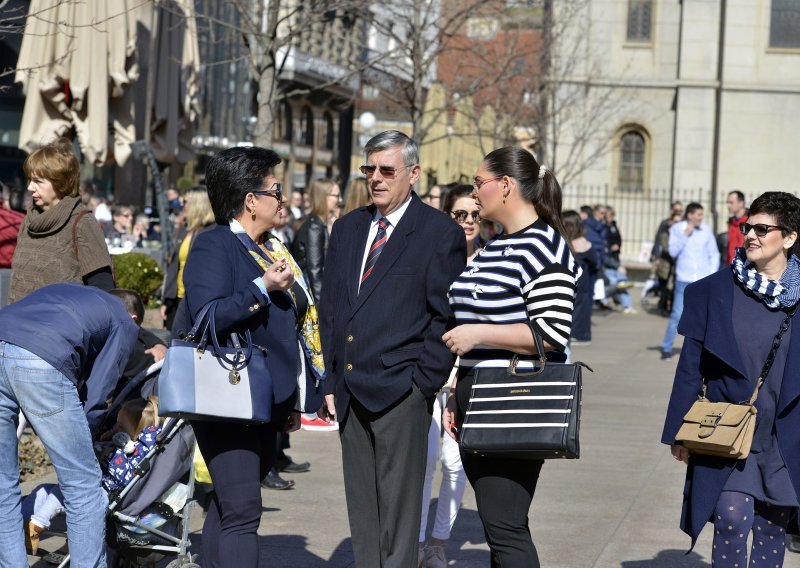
460 215
274 191
760 229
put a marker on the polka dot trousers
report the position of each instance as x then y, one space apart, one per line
736 515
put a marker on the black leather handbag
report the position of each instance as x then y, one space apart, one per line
526 415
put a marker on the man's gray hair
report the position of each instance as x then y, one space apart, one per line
392 139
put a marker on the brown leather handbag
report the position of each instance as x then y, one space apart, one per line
725 429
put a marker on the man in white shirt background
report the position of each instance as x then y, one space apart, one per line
694 247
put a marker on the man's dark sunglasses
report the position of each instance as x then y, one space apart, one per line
760 229
386 171
274 191
461 216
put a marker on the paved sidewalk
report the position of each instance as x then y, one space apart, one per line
618 506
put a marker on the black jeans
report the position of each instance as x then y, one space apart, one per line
238 457
504 491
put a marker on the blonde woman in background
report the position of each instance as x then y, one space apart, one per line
311 242
199 216
357 195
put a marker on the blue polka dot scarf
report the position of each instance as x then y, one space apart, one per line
783 293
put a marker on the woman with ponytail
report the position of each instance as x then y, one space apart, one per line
525 276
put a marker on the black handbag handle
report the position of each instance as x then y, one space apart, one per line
202 318
537 340
241 356
206 322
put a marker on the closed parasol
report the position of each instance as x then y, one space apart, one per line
434 152
79 66
465 149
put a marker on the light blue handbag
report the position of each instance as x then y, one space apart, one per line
202 380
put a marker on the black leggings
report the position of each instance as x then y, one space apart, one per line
238 457
504 491
736 515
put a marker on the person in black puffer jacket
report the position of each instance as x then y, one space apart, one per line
311 242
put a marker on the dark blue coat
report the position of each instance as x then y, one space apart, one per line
219 267
381 339
83 332
709 350
597 234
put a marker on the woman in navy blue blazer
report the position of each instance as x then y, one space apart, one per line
232 264
729 322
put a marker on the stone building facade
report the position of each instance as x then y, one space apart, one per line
700 94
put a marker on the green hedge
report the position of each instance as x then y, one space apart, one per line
138 272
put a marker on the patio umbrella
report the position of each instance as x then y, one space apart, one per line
78 67
434 151
487 124
465 149
177 70
46 113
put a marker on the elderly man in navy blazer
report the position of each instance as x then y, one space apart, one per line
384 311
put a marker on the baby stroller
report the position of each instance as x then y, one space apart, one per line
142 526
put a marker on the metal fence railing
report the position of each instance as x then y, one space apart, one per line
638 214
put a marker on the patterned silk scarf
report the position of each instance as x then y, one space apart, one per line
774 293
308 325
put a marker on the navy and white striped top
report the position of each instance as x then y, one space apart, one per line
527 274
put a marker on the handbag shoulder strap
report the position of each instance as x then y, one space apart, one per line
776 343
196 334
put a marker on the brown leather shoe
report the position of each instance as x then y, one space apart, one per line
32 532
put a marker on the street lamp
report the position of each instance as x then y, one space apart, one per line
366 121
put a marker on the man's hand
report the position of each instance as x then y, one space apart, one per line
449 417
680 453
328 410
158 351
292 423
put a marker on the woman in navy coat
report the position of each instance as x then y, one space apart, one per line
227 263
729 322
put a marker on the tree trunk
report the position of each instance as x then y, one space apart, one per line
262 133
545 62
418 75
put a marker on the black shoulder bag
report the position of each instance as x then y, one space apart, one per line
525 415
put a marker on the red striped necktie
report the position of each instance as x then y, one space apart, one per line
376 248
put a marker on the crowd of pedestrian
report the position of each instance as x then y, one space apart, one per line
387 303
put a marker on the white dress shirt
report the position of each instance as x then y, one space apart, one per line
393 218
697 255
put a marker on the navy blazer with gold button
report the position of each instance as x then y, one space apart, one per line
220 268
381 339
